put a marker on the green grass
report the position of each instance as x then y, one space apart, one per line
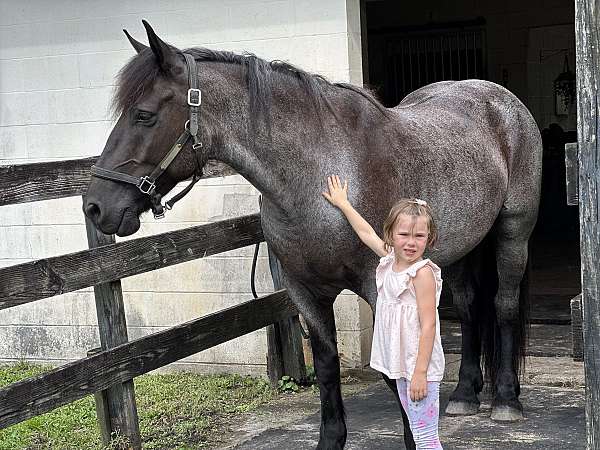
179 411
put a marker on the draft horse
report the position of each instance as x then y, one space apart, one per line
470 148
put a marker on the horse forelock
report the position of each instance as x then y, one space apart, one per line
140 73
134 79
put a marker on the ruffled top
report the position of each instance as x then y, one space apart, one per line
397 330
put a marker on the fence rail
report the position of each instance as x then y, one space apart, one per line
43 393
109 372
27 282
24 183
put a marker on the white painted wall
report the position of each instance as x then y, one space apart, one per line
58 61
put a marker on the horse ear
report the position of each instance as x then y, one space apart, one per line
165 56
137 45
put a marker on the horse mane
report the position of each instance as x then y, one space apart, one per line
140 73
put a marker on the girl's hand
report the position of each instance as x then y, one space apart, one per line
418 387
338 193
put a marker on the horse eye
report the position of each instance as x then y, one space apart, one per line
144 117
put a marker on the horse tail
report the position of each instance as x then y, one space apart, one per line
489 328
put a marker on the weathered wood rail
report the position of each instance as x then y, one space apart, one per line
24 183
24 283
73 381
109 371
587 44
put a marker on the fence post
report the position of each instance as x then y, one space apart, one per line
120 398
102 414
284 340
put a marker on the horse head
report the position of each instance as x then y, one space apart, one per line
254 117
156 141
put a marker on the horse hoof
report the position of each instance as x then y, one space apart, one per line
455 408
506 414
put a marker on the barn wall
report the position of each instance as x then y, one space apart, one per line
58 61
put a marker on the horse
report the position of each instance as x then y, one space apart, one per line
470 148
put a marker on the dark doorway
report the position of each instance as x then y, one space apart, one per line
521 45
419 55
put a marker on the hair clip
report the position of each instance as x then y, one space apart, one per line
420 202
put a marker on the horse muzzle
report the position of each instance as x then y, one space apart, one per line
122 221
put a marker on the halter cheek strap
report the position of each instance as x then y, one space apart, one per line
147 183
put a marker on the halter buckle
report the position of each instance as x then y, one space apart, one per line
194 97
146 185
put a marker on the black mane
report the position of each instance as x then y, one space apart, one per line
140 73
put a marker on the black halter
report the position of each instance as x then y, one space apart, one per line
147 183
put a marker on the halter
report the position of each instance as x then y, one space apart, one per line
147 183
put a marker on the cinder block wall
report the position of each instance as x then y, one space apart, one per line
58 61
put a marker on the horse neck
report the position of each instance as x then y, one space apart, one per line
282 165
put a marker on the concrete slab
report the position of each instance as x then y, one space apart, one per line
555 419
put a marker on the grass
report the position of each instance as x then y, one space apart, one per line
178 411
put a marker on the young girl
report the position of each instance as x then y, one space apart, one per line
406 340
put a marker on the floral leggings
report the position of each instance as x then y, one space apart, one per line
422 415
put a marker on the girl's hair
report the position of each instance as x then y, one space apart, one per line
410 207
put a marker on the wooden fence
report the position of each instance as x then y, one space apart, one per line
108 372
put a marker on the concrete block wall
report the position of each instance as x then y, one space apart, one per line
58 61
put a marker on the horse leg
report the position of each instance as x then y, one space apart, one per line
409 442
464 400
327 369
318 314
511 310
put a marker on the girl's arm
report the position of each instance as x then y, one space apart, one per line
425 289
338 196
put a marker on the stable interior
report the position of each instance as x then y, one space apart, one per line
528 47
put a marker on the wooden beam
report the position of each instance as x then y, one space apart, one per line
285 354
572 173
24 183
119 400
587 41
44 278
38 395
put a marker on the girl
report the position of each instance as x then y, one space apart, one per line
406 339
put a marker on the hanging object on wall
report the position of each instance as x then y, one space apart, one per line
564 90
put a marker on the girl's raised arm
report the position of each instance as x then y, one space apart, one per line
338 197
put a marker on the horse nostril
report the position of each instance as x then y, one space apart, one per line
92 211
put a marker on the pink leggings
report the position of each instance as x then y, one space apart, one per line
422 415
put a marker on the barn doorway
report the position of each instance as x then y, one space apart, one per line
527 47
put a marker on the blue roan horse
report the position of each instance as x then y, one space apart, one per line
470 148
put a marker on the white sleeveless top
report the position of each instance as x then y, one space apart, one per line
396 330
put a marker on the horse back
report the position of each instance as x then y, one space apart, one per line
478 112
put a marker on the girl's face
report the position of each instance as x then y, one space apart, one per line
410 237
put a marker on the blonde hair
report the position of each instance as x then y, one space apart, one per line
410 207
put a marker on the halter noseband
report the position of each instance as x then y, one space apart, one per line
147 183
